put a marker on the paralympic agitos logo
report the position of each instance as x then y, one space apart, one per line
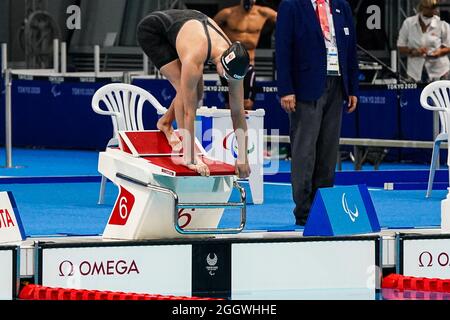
98 268
230 143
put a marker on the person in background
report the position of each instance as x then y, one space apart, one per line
317 65
425 40
244 23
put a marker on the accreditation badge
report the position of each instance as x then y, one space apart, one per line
332 61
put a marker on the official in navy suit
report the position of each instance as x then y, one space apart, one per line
317 78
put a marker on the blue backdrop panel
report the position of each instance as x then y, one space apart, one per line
275 118
349 124
266 98
214 95
416 123
162 90
57 115
378 114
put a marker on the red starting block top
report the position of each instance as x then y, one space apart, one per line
154 148
147 143
172 164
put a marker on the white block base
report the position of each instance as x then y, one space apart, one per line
445 215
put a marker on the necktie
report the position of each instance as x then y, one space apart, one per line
323 18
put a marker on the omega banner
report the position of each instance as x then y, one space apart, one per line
157 269
422 256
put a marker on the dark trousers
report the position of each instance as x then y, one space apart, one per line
315 130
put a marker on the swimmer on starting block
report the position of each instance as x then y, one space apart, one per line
180 43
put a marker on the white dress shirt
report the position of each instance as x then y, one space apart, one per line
436 36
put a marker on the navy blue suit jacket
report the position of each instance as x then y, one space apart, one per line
301 53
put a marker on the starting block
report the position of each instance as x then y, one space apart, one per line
161 198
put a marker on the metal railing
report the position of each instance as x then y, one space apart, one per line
8 130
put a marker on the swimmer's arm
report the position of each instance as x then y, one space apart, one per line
191 74
270 14
236 92
222 17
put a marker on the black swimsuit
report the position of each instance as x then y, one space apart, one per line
157 34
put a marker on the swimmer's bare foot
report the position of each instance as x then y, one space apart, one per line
171 136
200 167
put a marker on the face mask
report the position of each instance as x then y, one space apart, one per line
248 4
426 20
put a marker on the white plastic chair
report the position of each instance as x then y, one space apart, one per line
124 103
437 93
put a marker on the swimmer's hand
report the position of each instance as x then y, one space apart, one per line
242 170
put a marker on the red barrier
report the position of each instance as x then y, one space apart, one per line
402 283
34 292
